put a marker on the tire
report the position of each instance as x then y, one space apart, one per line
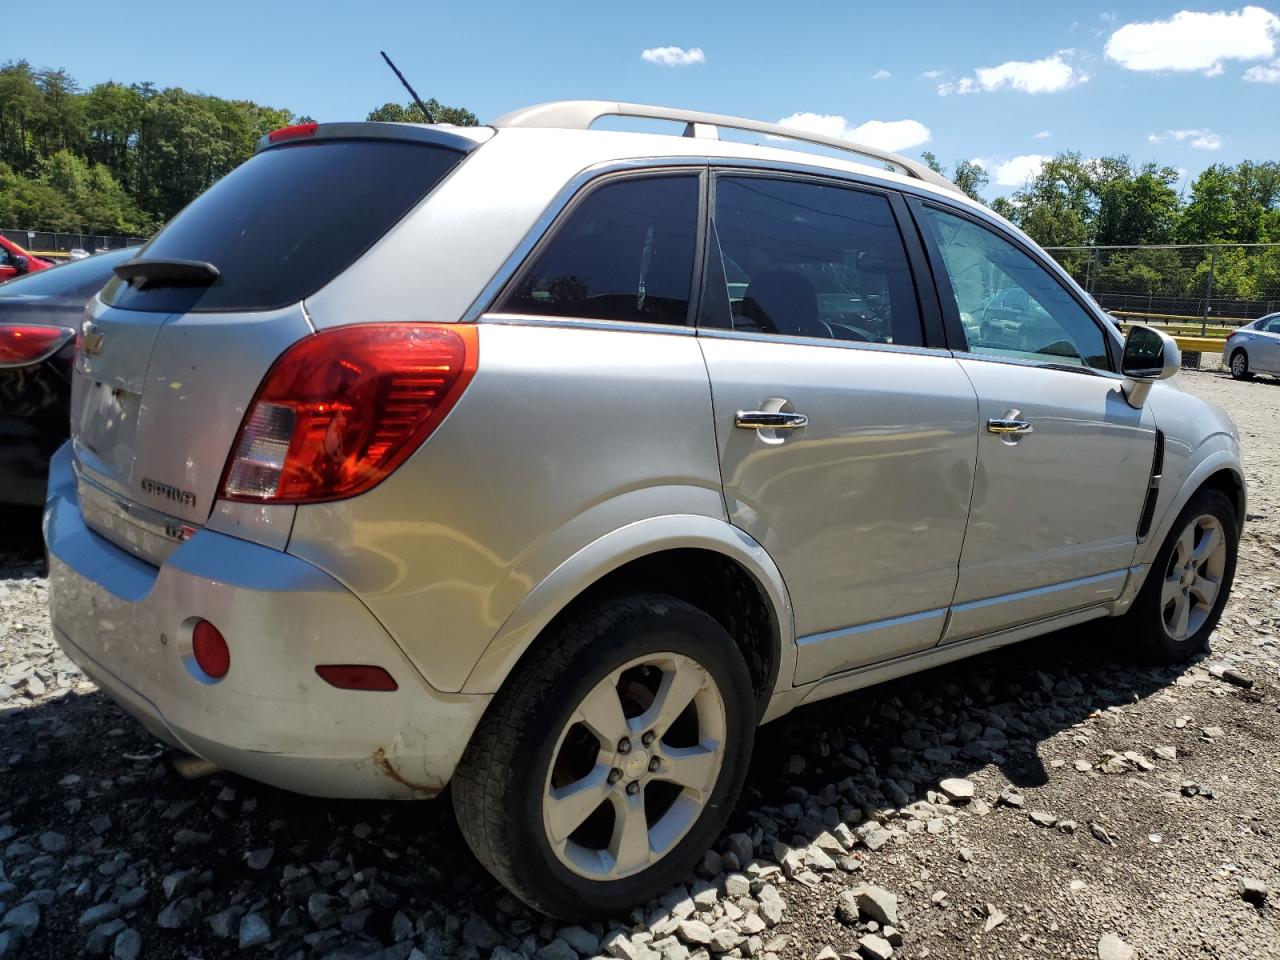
1148 621
528 753
1240 366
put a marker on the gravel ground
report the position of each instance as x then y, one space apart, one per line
1048 800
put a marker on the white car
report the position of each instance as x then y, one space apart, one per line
1254 348
549 462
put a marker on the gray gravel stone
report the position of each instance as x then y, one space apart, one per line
876 903
585 942
52 842
259 859
557 949
99 913
254 931
875 948
478 933
1111 947
1253 891
128 945
324 909
957 789
179 915
694 932
22 920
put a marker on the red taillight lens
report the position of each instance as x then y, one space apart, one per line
356 676
295 132
24 343
342 409
210 650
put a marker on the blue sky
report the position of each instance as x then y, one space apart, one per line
1003 82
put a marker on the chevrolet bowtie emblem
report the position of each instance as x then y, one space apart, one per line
91 337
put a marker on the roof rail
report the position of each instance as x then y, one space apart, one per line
581 114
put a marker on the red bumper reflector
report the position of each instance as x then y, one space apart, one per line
356 676
210 650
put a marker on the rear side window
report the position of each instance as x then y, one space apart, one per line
806 259
286 222
624 253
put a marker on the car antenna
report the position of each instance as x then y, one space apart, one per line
413 93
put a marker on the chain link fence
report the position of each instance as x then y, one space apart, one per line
1203 290
46 242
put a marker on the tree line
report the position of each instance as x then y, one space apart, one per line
124 158
121 159
1074 201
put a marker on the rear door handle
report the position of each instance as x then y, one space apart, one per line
1009 423
767 420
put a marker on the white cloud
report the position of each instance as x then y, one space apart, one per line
1191 40
673 56
1049 75
1042 135
886 134
881 75
1270 73
1016 171
1197 139
933 74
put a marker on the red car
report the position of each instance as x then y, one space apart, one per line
14 261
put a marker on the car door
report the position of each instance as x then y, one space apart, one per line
1064 462
1267 349
846 444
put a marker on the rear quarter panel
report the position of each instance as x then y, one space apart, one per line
564 436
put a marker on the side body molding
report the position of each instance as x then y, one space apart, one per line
608 553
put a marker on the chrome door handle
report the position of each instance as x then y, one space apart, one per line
1009 423
768 420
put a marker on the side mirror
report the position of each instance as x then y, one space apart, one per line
21 264
1149 355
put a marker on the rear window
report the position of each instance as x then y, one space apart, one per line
286 222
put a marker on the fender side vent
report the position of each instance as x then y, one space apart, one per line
1153 488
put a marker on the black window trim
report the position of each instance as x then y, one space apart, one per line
564 210
956 338
926 296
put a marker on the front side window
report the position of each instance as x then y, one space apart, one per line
624 253
806 259
1011 306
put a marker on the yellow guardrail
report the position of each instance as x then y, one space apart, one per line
1179 318
1200 344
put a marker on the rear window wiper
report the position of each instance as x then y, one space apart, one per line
144 272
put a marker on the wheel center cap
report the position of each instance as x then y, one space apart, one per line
635 763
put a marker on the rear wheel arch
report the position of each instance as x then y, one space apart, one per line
703 561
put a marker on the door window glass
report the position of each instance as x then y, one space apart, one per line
625 253
805 259
1010 305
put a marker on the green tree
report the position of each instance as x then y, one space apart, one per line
409 113
970 177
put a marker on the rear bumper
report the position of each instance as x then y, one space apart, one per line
271 718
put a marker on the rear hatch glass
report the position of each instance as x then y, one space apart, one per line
285 223
172 360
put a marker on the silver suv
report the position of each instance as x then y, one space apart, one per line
549 462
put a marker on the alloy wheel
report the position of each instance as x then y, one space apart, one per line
634 766
1194 577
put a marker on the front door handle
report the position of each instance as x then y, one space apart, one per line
769 420
1009 424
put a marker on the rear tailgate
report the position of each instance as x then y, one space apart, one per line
172 357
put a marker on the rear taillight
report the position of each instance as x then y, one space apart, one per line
340 410
24 343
